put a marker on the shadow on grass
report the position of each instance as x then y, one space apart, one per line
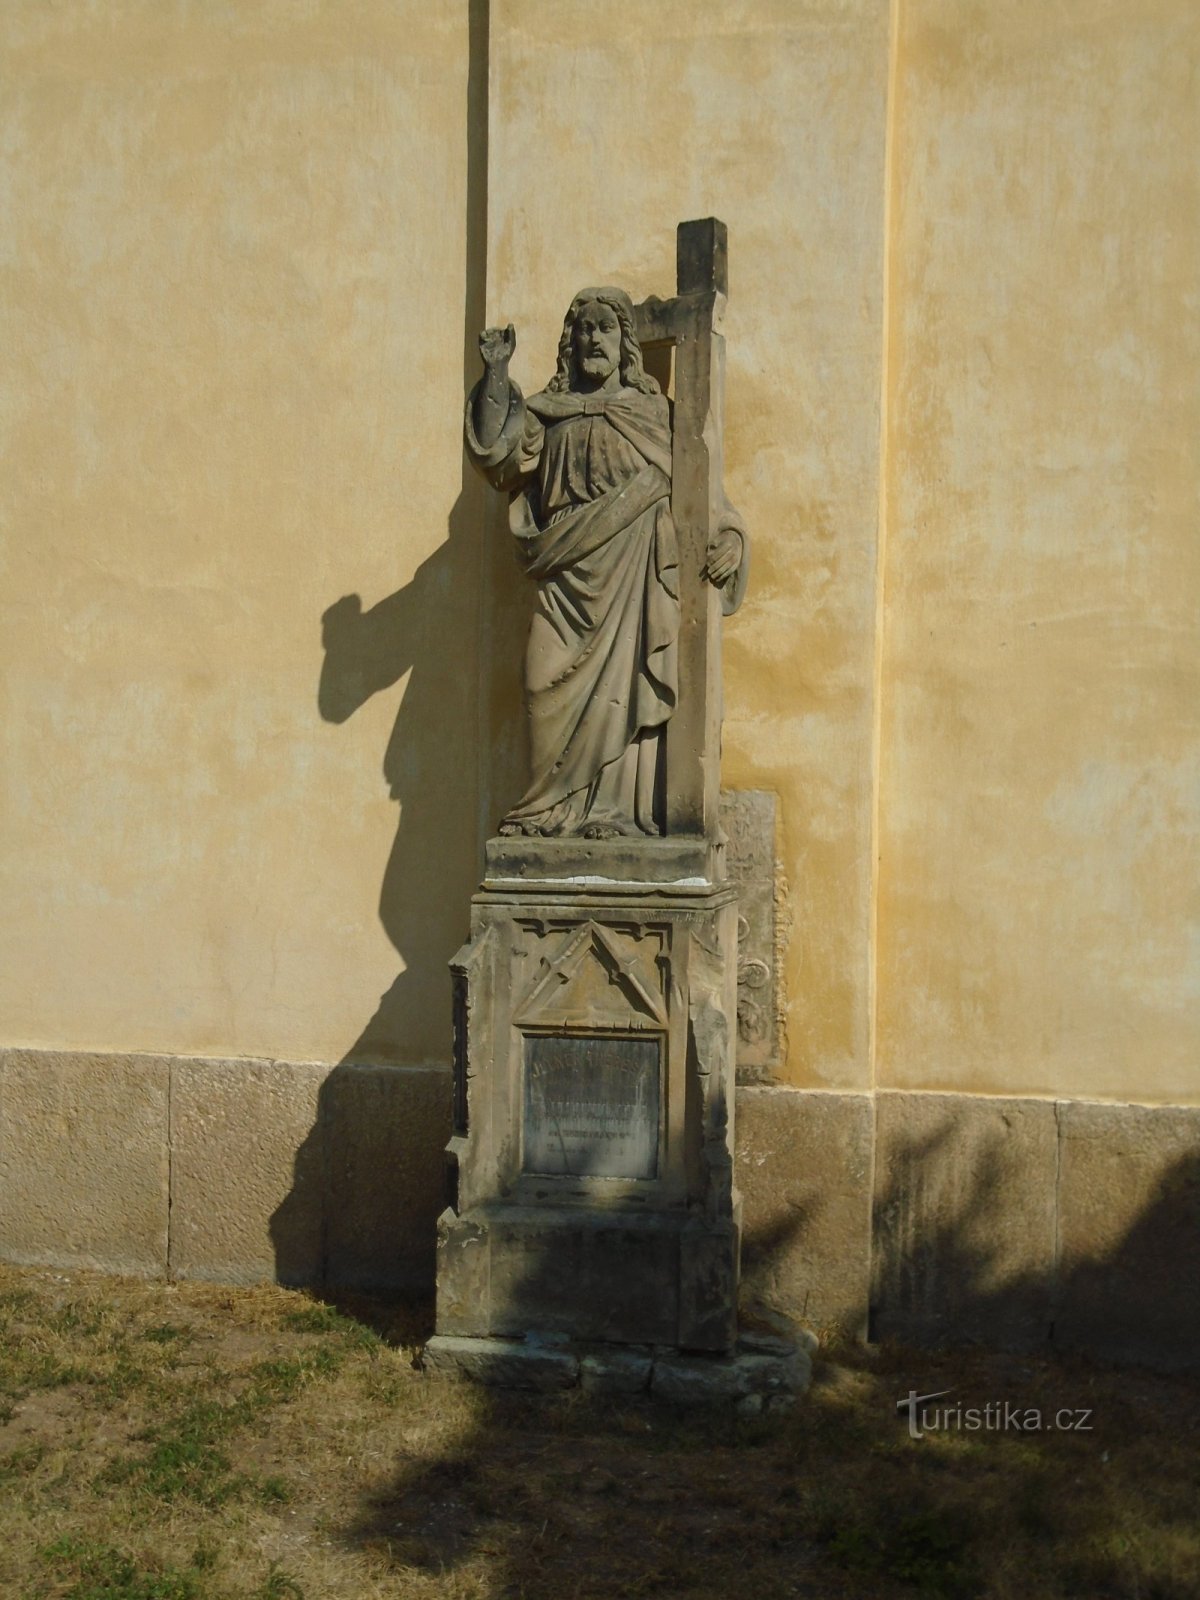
1031 1475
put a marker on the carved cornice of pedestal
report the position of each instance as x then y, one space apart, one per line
682 866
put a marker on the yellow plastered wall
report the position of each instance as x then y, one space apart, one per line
1038 904
240 249
233 247
608 126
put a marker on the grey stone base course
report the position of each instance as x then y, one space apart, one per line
938 1217
223 1170
615 1371
760 1374
1031 1224
803 1169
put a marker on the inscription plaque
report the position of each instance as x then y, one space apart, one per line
592 1106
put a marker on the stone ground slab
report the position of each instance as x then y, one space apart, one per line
765 1378
84 1166
502 1363
615 1371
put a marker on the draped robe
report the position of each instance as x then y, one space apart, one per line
590 482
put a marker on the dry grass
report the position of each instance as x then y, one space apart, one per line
191 1443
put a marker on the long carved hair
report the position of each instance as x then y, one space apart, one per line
633 373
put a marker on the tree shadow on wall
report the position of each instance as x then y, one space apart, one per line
952 1262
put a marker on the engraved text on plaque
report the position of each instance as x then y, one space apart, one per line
592 1106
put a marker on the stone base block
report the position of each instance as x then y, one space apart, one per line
246 1178
964 1211
615 1371
1128 1288
502 1363
227 1171
596 862
621 1276
84 1164
384 1130
304 1174
745 1374
804 1173
753 1379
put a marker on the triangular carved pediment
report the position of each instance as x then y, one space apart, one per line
590 981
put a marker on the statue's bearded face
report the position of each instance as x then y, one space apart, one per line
597 340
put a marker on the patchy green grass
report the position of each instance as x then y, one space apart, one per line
190 1443
92 1571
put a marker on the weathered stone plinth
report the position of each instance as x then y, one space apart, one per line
588 1271
591 1163
757 1375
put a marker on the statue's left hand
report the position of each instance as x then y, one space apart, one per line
723 557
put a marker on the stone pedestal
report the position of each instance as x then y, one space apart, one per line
591 1163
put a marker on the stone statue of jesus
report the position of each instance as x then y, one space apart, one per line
587 463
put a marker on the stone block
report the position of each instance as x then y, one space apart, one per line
84 1166
247 1172
804 1173
964 1209
594 1046
708 1380
768 1344
386 1130
708 1286
502 1363
1129 1232
696 1380
615 1371
464 1262
595 862
774 1373
748 822
594 1275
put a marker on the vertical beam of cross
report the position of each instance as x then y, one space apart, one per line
690 323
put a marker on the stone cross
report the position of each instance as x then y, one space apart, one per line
689 326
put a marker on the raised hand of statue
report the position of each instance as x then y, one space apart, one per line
723 557
496 346
492 393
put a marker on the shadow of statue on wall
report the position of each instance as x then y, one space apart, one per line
369 1177
425 631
